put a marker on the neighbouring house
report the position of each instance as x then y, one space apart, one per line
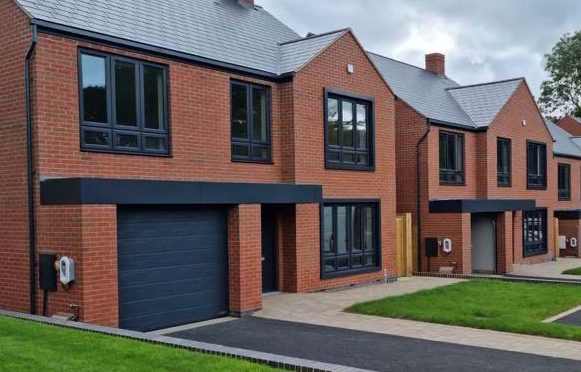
189 157
571 124
475 167
567 151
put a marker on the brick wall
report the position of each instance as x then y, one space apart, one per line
570 125
15 39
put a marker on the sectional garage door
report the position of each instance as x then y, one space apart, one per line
172 266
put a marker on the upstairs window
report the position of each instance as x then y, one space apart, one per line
250 111
536 165
123 105
451 158
564 182
534 232
349 133
503 162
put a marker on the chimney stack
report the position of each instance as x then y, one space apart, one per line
251 2
436 63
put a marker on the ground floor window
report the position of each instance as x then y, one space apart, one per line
349 238
534 232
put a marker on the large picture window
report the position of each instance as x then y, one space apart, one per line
123 104
534 232
451 158
349 132
350 238
503 162
536 165
250 105
564 182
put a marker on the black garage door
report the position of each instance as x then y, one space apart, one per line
173 266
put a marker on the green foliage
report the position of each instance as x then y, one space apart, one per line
496 305
561 93
576 271
32 347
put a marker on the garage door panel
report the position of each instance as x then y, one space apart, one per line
170 303
162 289
166 274
178 317
172 265
160 244
171 259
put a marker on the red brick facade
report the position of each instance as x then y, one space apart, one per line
481 181
199 103
570 125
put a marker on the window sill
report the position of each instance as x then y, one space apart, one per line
535 254
452 184
339 274
350 167
267 162
565 199
134 153
537 188
504 186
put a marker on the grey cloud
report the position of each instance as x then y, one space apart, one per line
485 40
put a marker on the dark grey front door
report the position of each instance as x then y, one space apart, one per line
172 264
268 249
484 243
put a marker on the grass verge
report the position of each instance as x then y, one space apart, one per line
29 346
485 304
575 271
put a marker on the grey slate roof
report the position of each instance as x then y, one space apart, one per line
483 102
440 98
226 31
423 90
565 144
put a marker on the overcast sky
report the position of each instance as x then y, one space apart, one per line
483 40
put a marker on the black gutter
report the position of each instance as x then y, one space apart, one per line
106 40
30 169
418 190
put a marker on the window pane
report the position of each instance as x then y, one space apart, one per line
369 229
96 138
328 229
259 114
333 120
362 159
370 260
125 89
443 151
357 261
329 265
94 88
343 263
356 228
349 158
342 230
240 150
153 93
127 140
333 156
259 153
155 143
347 124
239 111
361 126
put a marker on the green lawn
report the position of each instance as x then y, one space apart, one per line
29 346
501 306
576 271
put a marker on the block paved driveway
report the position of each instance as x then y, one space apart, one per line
367 350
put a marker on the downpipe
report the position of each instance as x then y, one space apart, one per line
418 190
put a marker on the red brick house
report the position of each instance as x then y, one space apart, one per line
188 159
476 168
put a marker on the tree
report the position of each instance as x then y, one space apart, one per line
561 94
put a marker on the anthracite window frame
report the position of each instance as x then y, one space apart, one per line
250 142
446 172
504 177
356 99
538 180
564 182
375 204
535 232
111 127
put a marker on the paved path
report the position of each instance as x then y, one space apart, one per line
368 350
326 309
551 269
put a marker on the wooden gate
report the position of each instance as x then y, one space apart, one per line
404 244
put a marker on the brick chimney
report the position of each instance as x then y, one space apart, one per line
436 62
251 2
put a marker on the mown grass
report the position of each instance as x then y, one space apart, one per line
575 271
28 346
496 305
